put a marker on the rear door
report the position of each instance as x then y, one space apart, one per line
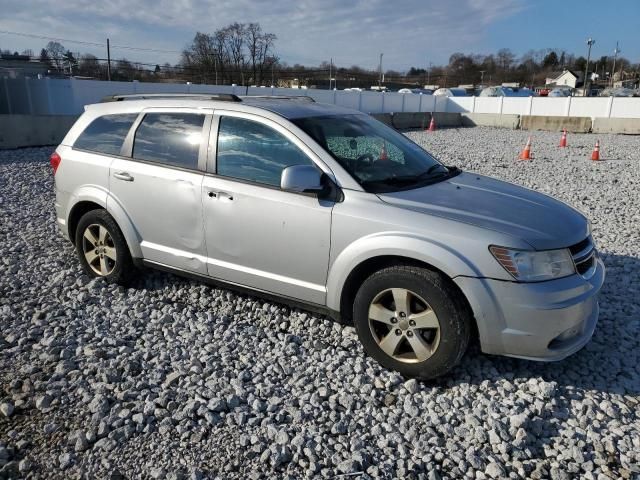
159 185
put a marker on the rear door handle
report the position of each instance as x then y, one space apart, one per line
225 196
123 176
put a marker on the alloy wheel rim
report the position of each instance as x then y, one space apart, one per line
404 325
99 250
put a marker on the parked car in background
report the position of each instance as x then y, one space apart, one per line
560 92
499 91
618 92
328 208
417 91
495 91
451 92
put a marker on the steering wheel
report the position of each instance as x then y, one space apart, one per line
365 160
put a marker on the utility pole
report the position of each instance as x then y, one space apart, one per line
108 61
615 57
380 68
590 42
429 74
482 77
330 70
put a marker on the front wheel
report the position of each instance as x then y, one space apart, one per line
411 320
102 248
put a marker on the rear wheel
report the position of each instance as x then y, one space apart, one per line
102 249
411 320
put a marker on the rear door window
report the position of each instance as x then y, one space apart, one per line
170 139
106 134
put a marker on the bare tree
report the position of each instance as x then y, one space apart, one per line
237 53
89 66
236 38
506 59
266 60
200 57
56 51
253 33
259 46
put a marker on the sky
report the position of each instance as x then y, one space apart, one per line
352 32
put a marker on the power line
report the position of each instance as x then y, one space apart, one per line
82 42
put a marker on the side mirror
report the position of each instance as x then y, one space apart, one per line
302 178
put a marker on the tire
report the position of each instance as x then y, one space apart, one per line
110 255
424 338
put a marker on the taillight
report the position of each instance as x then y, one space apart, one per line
55 160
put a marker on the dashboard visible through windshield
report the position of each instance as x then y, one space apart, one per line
379 158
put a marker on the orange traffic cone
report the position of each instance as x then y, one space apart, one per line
432 125
595 155
383 152
563 139
526 153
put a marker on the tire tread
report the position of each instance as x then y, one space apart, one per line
461 318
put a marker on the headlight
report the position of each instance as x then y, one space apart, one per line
532 266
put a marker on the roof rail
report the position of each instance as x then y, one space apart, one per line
302 98
226 97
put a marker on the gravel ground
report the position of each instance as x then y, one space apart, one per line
175 379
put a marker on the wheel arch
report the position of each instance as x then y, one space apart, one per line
358 262
76 213
88 199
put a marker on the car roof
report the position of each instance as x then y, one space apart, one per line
292 108
287 107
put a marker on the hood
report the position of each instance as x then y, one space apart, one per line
541 221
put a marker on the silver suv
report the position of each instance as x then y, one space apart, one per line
329 208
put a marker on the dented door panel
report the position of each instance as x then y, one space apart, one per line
165 205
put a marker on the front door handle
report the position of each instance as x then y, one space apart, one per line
225 196
123 176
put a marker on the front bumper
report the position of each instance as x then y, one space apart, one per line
537 321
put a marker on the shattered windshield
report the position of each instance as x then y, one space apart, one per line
378 157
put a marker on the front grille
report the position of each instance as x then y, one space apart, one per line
578 247
584 257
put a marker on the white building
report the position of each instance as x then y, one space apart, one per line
567 78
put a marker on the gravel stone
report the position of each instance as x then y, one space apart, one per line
43 402
495 470
172 378
25 465
6 408
66 460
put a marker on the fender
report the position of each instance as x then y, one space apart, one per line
130 233
100 196
400 244
86 193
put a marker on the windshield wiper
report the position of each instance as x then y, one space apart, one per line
430 170
404 180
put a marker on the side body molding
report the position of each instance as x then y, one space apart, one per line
398 244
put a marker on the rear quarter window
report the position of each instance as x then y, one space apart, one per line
106 134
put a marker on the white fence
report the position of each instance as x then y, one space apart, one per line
50 96
608 107
68 96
